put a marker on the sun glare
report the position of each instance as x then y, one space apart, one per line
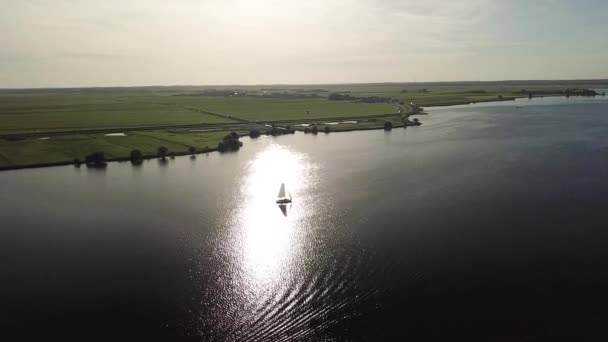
268 231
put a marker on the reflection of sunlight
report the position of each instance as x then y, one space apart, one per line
267 234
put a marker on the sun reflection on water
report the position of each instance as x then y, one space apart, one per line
268 233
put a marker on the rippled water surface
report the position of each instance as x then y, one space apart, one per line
488 221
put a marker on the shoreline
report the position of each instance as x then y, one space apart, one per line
109 160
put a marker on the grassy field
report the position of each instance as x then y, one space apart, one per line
262 109
23 113
32 151
39 126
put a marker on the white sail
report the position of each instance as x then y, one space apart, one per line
282 191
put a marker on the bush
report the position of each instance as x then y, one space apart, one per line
388 126
76 162
275 131
192 150
314 130
327 129
136 157
306 130
254 133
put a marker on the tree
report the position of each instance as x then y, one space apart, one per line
230 143
76 162
530 95
327 129
192 150
314 130
162 152
136 157
254 133
388 126
96 159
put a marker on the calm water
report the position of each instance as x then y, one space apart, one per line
488 221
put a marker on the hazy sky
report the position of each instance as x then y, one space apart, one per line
164 42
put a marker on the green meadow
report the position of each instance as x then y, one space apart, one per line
48 112
268 109
42 126
55 149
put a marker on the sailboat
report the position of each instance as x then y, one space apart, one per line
282 199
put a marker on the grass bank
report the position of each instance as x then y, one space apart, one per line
61 150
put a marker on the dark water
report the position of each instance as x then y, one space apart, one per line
487 222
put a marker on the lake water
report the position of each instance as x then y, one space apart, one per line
488 221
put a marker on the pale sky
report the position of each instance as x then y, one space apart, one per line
62 43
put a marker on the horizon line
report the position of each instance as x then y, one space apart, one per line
581 80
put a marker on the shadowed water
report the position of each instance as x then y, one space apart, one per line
488 222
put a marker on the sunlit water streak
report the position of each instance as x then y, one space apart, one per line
266 239
276 284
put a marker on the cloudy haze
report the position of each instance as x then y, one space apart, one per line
154 42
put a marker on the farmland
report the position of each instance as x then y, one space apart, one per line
47 126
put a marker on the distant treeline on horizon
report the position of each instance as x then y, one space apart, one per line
582 82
